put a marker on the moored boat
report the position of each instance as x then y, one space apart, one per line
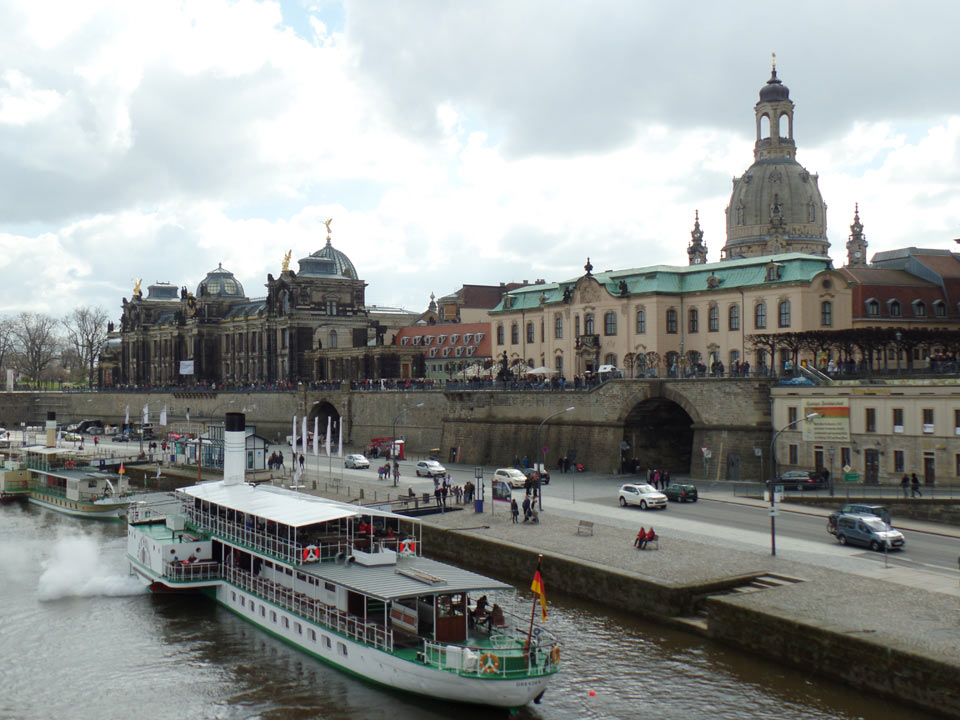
345 583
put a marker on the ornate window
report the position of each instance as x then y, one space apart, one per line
588 324
499 334
693 320
531 336
873 307
733 317
784 314
558 326
610 323
919 308
713 319
894 308
641 322
939 309
811 212
760 316
826 313
332 339
514 334
576 325
672 321
740 213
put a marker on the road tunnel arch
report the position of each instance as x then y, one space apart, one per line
657 433
323 410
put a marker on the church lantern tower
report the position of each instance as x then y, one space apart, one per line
697 250
857 244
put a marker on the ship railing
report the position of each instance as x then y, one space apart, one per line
316 611
181 571
512 652
47 490
249 537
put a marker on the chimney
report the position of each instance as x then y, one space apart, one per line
51 429
234 448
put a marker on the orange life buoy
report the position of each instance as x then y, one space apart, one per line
68 464
412 547
489 664
311 553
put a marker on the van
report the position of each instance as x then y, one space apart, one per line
869 531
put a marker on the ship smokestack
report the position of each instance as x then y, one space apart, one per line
51 429
234 448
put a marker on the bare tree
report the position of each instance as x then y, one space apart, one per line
37 342
86 332
8 341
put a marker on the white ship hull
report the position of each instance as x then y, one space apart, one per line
103 511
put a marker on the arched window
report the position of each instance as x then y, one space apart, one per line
919 308
894 308
811 212
499 334
641 322
576 325
764 126
873 307
713 319
734 358
760 316
531 332
610 359
514 334
740 209
734 317
332 339
610 323
783 125
588 324
826 313
558 326
672 321
693 320
784 314
939 309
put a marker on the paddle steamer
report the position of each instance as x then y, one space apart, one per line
347 584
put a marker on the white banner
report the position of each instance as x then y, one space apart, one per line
293 436
163 415
316 435
186 367
146 413
340 440
328 436
126 416
304 428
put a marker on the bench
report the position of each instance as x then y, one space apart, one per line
585 527
653 544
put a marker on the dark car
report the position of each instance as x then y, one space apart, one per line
532 474
119 438
681 492
802 480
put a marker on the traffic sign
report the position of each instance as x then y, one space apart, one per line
851 477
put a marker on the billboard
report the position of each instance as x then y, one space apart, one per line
832 423
501 491
186 367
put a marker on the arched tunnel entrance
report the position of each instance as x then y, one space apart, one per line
322 410
657 433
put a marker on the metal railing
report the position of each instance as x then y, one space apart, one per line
312 609
181 571
842 490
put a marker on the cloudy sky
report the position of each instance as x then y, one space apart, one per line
451 142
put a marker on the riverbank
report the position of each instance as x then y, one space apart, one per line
883 634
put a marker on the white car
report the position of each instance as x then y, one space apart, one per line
356 461
511 476
643 495
430 468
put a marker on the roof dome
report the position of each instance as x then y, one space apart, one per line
774 90
327 262
220 283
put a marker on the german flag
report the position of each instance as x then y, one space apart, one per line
537 588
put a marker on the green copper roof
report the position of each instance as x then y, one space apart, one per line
674 279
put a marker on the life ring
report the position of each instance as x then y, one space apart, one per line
489 664
555 655
68 464
411 547
311 553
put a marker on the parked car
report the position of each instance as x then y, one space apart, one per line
802 480
73 437
681 492
857 509
643 495
119 438
356 461
543 474
511 476
95 430
430 468
868 531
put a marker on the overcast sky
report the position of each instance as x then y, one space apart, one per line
451 142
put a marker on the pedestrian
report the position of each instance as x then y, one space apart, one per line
514 510
96 441
656 479
437 495
905 484
303 459
443 494
526 508
915 486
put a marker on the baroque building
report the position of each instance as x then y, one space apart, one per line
218 335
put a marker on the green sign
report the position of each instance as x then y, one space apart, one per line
851 477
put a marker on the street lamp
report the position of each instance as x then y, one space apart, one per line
394 440
776 473
541 453
831 451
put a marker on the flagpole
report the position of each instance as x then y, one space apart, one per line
533 610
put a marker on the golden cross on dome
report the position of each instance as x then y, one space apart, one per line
774 58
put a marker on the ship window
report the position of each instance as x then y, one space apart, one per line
273 615
243 602
299 628
326 641
286 622
301 576
233 596
342 648
263 611
313 635
329 587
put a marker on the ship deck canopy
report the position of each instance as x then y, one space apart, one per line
410 577
282 506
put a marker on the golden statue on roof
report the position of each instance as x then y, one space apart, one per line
327 223
136 288
286 260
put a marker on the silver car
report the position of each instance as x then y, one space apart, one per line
356 461
643 495
430 468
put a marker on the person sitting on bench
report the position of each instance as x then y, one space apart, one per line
479 612
641 539
495 618
652 536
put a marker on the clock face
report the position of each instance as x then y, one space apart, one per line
856 254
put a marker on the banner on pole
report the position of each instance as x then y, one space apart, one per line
186 367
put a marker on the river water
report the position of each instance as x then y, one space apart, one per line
80 638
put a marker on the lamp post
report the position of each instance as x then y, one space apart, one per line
394 440
776 472
542 455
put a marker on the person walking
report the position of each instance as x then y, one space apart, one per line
514 510
526 508
905 484
915 486
437 494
